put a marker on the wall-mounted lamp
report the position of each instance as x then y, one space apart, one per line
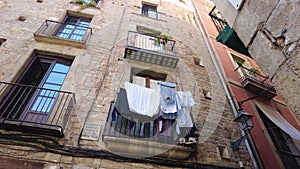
245 123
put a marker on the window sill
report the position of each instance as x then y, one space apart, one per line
59 41
149 17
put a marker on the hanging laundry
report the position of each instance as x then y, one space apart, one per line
168 97
154 85
184 119
160 125
142 100
186 99
170 116
167 128
123 108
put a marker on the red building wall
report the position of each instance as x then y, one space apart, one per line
263 144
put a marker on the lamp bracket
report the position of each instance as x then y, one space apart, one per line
256 96
236 144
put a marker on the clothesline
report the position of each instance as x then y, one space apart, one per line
141 104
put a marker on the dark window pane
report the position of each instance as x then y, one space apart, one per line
150 11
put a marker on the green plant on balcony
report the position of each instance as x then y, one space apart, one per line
79 1
254 71
162 39
239 63
84 4
93 3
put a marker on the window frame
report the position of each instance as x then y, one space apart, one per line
278 138
36 84
146 8
235 59
74 27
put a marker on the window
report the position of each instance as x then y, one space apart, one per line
37 90
283 143
147 75
74 28
239 64
2 40
150 11
236 3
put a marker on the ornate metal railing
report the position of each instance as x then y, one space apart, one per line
217 19
256 82
151 49
119 126
67 31
42 109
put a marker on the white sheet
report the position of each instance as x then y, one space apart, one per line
142 100
186 98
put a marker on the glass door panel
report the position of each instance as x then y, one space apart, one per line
46 97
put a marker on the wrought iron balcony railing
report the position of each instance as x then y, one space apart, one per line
72 34
32 109
255 82
217 19
151 49
143 139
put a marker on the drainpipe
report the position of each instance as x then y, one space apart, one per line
221 76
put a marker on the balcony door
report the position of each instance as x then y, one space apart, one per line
35 93
74 28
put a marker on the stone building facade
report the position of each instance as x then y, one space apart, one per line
270 31
63 64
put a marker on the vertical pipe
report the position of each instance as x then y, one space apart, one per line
221 76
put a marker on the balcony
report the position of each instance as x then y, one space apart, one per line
217 19
34 110
256 83
150 49
227 35
62 33
130 138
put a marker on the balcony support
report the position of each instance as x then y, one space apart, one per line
256 83
150 49
124 137
48 32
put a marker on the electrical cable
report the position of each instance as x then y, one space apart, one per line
47 144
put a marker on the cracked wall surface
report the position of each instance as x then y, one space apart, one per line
270 29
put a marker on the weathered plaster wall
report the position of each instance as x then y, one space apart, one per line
271 30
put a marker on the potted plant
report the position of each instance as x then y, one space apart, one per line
254 71
79 1
239 63
84 4
93 3
163 38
